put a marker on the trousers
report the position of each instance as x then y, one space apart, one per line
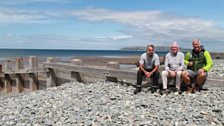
154 78
165 75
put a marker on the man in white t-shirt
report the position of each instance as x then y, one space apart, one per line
148 66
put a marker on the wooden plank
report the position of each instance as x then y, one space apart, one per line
8 83
33 81
1 83
33 77
8 80
7 66
112 65
19 83
19 77
77 75
92 70
104 72
51 78
25 71
214 83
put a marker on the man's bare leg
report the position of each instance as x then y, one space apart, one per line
200 81
187 80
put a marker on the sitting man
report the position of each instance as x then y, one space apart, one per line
174 65
148 66
198 63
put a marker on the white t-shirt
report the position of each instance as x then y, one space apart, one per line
149 62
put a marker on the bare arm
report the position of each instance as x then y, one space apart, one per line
155 69
141 67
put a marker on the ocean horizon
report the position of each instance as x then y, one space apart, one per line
67 53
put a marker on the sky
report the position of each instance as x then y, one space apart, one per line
110 24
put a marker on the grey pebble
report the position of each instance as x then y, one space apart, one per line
107 103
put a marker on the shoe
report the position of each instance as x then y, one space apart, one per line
196 88
177 91
153 90
189 90
137 90
164 91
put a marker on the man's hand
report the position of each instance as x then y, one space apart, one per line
172 73
190 63
148 74
201 71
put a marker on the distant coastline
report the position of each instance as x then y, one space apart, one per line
214 55
158 48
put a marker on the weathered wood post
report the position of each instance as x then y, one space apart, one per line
1 83
33 77
77 75
19 77
51 76
112 65
77 62
8 80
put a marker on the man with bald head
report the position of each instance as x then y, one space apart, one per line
174 65
198 63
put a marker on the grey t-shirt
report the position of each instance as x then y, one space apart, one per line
149 62
174 62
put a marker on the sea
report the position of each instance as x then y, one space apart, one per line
13 53
66 54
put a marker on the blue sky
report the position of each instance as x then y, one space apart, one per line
110 24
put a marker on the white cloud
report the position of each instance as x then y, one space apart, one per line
19 2
156 26
28 16
141 28
56 42
128 18
119 37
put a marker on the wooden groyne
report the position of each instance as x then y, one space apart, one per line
25 74
16 76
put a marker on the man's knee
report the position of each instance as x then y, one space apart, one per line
201 78
202 75
164 73
179 73
184 74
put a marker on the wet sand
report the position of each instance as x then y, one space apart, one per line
102 61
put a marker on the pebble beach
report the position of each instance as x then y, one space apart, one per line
217 70
106 103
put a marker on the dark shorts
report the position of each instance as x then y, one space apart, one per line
194 74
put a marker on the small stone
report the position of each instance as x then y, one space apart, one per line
33 113
213 124
112 98
209 118
217 110
204 113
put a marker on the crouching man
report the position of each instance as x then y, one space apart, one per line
198 62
